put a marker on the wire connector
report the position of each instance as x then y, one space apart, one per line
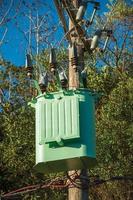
43 82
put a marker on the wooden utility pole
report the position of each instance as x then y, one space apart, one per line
78 189
74 74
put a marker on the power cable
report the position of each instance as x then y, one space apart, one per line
59 183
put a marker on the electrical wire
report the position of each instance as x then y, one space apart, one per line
67 182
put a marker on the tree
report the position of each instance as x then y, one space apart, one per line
114 138
17 129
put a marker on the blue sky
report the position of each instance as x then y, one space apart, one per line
15 45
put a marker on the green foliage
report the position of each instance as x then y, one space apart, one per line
114 130
17 134
122 9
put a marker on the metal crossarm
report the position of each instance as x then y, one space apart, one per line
80 32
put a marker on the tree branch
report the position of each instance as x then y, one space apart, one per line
10 6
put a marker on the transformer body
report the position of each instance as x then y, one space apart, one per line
65 131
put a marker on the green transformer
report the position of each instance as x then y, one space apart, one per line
65 130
